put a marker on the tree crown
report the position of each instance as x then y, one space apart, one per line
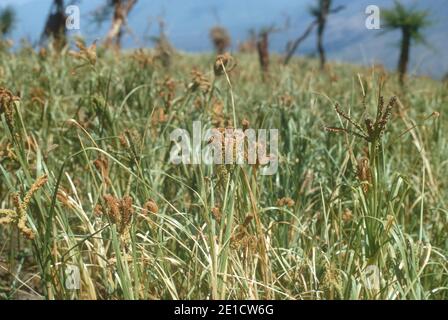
410 20
7 20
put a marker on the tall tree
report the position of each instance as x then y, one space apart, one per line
320 13
121 10
410 22
263 49
7 21
292 46
55 25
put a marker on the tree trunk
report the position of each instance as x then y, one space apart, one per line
321 20
404 54
321 23
263 52
296 43
55 25
320 46
121 11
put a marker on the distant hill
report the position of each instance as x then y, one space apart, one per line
188 22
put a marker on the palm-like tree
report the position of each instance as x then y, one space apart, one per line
410 22
7 21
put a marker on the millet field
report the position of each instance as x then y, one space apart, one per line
356 210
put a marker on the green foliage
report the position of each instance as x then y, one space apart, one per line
100 135
410 19
7 21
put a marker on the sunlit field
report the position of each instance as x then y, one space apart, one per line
356 210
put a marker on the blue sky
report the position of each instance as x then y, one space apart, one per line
188 22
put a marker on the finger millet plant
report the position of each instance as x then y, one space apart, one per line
86 181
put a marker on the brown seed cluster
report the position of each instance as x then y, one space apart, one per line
364 173
150 206
347 215
373 129
38 96
242 239
18 216
119 211
7 100
228 141
218 119
167 92
220 38
85 54
7 151
142 58
224 63
234 147
131 141
64 198
102 165
216 212
286 201
159 116
286 100
199 82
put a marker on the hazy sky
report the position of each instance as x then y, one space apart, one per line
188 23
